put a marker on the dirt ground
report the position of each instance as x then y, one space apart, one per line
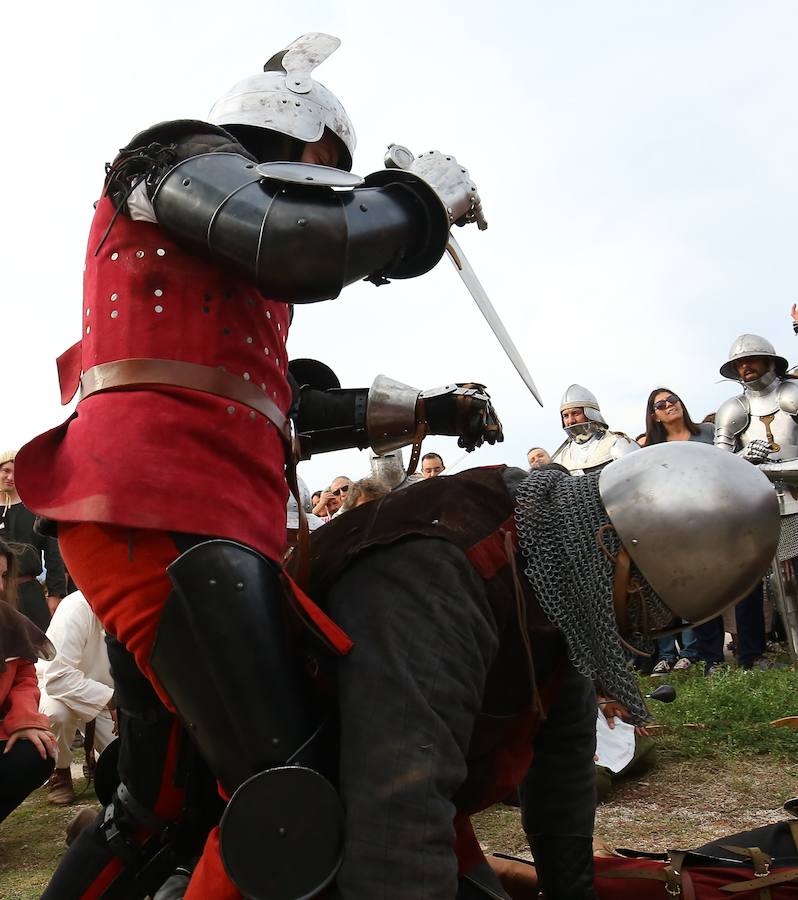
678 805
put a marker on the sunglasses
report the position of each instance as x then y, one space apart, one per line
672 401
341 490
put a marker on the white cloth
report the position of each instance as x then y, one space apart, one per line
64 723
79 675
615 747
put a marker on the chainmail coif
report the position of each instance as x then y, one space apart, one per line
557 517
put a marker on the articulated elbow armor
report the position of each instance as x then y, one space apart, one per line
730 421
302 232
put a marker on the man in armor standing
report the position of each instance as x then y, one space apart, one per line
168 484
761 424
590 443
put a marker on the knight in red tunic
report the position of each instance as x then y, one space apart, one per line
168 481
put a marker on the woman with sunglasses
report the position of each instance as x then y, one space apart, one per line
667 419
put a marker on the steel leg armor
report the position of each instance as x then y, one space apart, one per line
224 656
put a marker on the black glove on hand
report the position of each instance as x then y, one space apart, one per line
464 410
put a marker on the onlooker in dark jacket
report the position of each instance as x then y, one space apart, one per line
16 525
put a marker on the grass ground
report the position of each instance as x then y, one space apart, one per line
32 842
731 773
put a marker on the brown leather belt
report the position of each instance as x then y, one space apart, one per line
128 373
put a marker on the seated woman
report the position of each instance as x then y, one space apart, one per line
27 746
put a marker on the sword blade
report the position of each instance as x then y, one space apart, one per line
487 309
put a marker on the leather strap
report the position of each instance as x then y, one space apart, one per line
783 876
129 373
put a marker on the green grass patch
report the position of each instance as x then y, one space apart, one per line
734 709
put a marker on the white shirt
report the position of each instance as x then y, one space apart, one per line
80 674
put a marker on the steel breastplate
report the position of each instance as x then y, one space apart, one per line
784 431
599 453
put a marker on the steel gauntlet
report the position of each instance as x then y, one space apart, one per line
464 410
450 181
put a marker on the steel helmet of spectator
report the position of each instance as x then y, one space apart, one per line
284 98
701 525
578 397
751 345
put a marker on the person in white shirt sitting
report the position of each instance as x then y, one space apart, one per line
76 687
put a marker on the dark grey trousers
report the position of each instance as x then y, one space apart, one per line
409 692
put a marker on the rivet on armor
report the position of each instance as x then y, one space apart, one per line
239 585
211 582
275 742
363 207
282 831
249 340
114 255
114 313
634 542
114 297
246 376
88 310
158 292
231 410
249 166
161 252
158 308
302 222
186 182
139 253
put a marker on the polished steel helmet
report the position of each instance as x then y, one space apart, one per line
700 524
388 468
751 345
284 97
578 397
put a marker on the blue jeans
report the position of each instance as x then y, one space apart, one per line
666 647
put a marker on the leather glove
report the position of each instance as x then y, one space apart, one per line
450 181
464 410
756 452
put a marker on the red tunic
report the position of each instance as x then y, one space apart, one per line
166 458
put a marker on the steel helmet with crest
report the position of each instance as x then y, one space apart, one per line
285 106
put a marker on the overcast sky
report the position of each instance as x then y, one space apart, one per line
636 162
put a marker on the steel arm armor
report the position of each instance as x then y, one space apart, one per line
730 421
389 415
622 446
301 243
788 397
